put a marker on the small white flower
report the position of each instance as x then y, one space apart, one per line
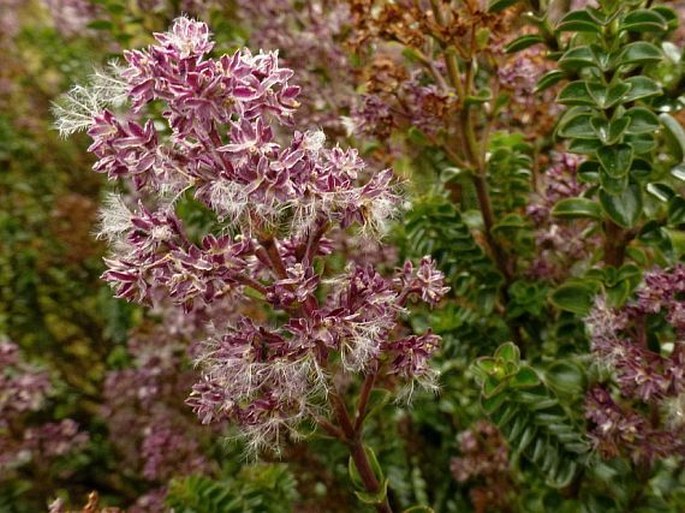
75 110
314 141
115 218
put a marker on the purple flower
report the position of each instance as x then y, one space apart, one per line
561 244
426 281
276 199
24 390
650 379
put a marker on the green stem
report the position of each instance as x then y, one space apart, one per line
475 156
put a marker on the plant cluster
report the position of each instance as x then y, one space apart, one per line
445 235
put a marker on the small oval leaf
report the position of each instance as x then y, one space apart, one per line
615 160
578 58
523 42
639 52
642 121
675 130
625 208
641 87
575 297
644 20
549 79
579 21
499 5
577 208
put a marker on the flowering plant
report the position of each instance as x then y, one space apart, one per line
192 125
540 149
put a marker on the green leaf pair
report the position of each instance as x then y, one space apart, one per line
640 20
638 53
595 94
529 415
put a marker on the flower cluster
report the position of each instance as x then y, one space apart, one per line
518 75
165 441
620 431
153 433
202 127
562 244
307 36
269 381
397 99
642 345
484 457
24 390
71 17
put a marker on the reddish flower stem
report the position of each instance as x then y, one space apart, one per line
364 396
353 438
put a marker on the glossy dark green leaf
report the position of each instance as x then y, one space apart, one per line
615 160
607 96
577 127
577 297
564 473
602 57
638 255
610 132
565 377
549 79
527 436
588 171
492 404
578 58
661 191
575 93
577 208
584 146
509 223
624 209
579 21
613 185
536 399
668 15
641 143
508 352
639 52
642 121
651 233
640 87
678 172
674 130
525 378
630 272
676 211
676 239
644 20
640 170
492 387
618 293
523 42
499 5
